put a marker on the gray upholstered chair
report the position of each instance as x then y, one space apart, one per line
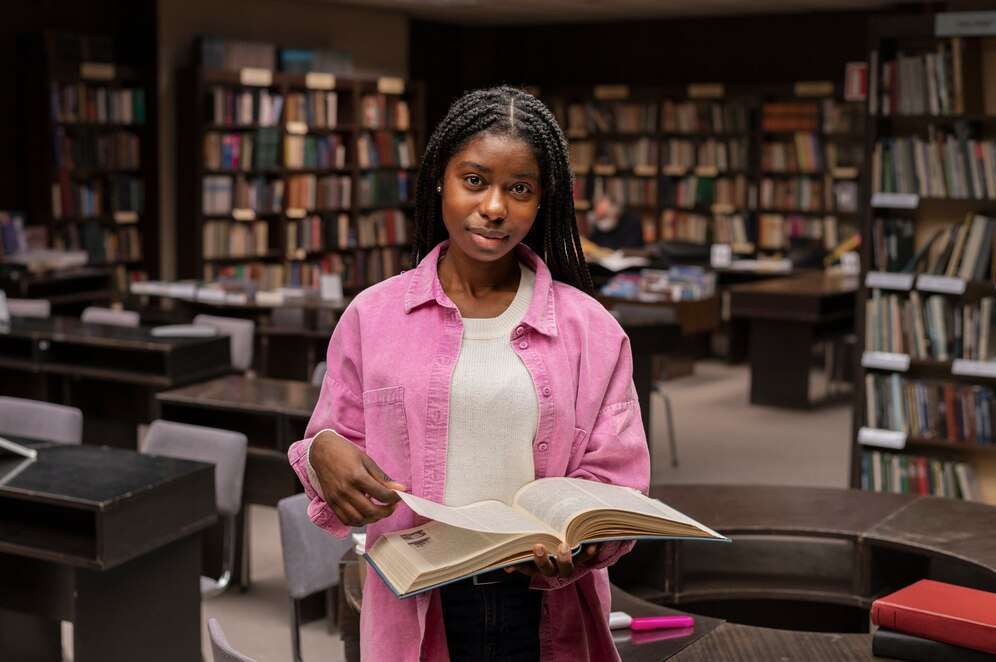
29 308
97 315
40 420
311 558
227 452
221 650
241 333
318 375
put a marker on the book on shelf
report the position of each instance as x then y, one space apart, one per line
381 148
626 191
803 155
704 117
840 117
314 109
944 165
931 82
900 646
244 107
917 474
13 238
94 103
681 155
629 155
802 194
775 230
382 189
308 60
684 226
310 192
963 250
323 152
464 541
789 116
381 111
935 610
96 150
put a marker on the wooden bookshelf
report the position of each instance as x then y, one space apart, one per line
93 144
303 231
925 105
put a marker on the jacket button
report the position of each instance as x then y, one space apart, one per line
519 331
547 391
523 344
543 445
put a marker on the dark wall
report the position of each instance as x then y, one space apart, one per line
131 23
751 49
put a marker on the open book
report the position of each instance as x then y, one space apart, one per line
487 535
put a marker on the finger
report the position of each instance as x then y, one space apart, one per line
368 510
565 565
527 569
588 556
543 563
376 483
348 514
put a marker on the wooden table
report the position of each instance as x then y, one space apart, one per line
787 316
110 372
68 291
108 539
797 581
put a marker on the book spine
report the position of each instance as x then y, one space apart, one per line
977 636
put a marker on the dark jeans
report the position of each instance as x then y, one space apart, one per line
493 622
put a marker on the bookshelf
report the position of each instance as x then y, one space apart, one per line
925 390
93 146
285 176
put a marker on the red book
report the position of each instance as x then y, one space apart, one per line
942 612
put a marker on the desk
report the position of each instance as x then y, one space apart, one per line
68 291
787 316
110 372
106 538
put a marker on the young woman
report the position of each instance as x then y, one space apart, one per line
485 367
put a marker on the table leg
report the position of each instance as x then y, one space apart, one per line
147 609
780 357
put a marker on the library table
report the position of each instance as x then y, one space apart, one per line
108 539
110 372
787 316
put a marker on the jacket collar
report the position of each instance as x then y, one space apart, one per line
425 287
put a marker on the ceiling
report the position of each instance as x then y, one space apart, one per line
559 11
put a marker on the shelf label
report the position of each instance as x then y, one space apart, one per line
706 171
603 169
269 298
706 90
296 212
316 80
211 295
940 284
297 128
390 85
255 76
896 200
814 88
881 438
965 23
974 368
885 280
722 208
720 256
845 172
97 70
886 361
644 170
675 170
330 287
611 92
238 298
125 217
243 214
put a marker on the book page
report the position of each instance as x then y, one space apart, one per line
558 500
435 545
483 516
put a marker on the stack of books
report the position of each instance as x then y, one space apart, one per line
932 621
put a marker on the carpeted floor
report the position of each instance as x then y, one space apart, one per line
720 440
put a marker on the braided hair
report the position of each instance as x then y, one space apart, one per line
507 111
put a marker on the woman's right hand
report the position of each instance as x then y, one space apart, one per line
351 482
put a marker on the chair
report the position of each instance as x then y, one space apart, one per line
318 376
241 333
41 308
221 650
40 420
227 452
96 315
311 558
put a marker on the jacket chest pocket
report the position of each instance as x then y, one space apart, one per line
386 431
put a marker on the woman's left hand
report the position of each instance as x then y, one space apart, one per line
560 565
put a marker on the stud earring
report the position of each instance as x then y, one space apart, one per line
439 189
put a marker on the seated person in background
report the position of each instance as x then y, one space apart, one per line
611 227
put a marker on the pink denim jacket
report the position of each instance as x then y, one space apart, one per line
387 390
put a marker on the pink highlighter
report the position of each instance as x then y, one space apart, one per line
620 619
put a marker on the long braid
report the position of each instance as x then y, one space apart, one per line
554 235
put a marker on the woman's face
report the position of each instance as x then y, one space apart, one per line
491 191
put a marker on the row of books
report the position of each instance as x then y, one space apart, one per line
942 166
326 192
843 155
610 117
380 111
97 104
102 244
843 117
626 155
790 116
804 154
382 148
689 192
928 83
933 327
380 189
221 193
315 109
963 250
244 107
704 117
626 191
915 474
257 150
117 193
802 194
235 239
328 151
724 155
322 232
114 150
774 231
682 226
941 411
